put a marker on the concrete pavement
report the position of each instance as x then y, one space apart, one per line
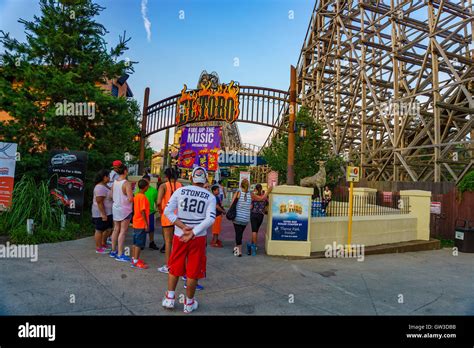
69 278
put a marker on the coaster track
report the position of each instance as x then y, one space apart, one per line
392 83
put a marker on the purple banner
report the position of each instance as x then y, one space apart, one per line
200 147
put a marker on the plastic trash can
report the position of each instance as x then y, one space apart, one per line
464 236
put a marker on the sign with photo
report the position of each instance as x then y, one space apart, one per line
200 147
67 170
244 175
272 179
290 216
7 173
435 208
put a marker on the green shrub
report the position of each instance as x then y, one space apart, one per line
446 243
19 235
467 183
34 201
3 230
31 201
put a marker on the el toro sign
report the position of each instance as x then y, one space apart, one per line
208 104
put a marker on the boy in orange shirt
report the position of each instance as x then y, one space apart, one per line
216 227
141 215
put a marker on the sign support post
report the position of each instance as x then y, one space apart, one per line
164 160
290 176
349 225
352 175
141 159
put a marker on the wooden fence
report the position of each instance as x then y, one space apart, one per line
455 210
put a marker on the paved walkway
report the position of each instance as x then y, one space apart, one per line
430 282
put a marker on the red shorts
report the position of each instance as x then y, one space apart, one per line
189 258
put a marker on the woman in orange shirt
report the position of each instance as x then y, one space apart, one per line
164 194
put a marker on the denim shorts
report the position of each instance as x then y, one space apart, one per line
139 237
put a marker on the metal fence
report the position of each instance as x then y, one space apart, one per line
364 204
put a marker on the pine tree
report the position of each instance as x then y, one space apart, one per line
65 58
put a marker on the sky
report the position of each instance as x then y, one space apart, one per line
253 42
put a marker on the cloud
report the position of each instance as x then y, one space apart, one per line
254 134
146 21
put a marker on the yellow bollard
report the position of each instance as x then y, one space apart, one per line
349 213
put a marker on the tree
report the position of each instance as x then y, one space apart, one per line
65 60
308 151
467 182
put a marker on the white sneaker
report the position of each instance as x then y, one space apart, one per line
188 308
236 251
163 269
168 302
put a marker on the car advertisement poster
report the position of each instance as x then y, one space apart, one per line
7 173
200 147
67 170
290 216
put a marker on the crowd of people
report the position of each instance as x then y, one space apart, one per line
186 214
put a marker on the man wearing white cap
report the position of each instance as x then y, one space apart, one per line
192 209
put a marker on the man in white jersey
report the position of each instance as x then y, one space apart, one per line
192 209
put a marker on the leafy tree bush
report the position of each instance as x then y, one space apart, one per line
65 58
33 201
308 151
467 183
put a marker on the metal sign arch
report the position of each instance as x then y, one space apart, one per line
258 105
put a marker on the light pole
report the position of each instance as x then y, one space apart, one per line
290 175
141 160
165 151
302 130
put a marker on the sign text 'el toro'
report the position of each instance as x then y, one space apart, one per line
208 104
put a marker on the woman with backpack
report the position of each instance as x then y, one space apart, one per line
243 201
257 213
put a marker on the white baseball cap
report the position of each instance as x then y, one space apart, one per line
199 175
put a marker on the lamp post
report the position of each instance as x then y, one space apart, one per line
141 160
302 130
165 151
290 175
